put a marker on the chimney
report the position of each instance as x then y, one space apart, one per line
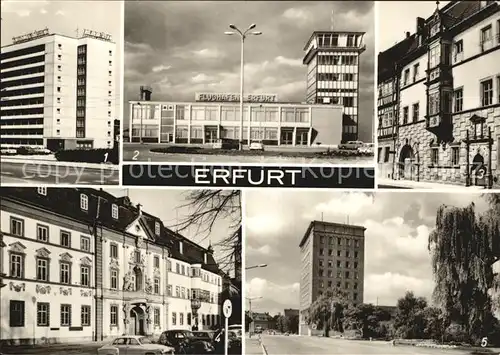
420 24
139 208
407 34
145 93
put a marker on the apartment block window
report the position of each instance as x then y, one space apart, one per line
110 73
59 46
110 53
109 83
416 112
157 286
109 93
347 274
320 273
406 77
114 279
16 314
59 67
113 315
58 100
156 262
434 156
42 191
416 72
42 269
498 87
109 113
338 263
42 314
85 316
458 100
486 38
84 276
58 132
17 227
356 253
405 115
59 56
458 51
65 315
113 251
487 92
174 318
355 264
455 156
338 252
114 211
85 243
65 273
17 265
58 89
110 62
84 202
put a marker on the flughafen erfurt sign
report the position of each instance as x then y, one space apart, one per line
212 97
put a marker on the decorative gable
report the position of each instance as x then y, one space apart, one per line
86 261
17 247
66 257
43 253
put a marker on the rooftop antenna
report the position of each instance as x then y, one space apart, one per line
437 5
322 217
331 23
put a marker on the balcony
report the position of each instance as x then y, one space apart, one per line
440 124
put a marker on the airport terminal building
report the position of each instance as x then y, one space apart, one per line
217 116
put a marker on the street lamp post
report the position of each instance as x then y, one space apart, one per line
243 36
250 299
255 266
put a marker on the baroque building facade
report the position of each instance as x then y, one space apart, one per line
439 98
83 265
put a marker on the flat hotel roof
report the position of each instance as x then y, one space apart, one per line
228 102
313 223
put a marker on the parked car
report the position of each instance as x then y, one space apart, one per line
367 148
226 143
185 342
205 335
8 151
351 145
234 346
237 328
256 145
134 345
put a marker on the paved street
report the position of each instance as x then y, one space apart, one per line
141 152
295 345
48 173
252 346
58 349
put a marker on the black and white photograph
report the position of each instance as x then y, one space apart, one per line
372 273
438 94
61 73
116 271
249 82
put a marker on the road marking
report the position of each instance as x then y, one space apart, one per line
6 173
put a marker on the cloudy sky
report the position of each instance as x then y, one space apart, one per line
396 257
154 201
179 48
398 17
64 17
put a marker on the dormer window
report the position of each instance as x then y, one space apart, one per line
84 202
42 191
114 211
157 228
181 248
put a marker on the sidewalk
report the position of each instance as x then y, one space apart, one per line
253 346
409 184
31 160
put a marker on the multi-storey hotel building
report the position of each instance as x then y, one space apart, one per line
332 60
332 256
217 116
58 92
439 98
82 264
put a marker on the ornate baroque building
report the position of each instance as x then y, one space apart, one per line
439 98
82 264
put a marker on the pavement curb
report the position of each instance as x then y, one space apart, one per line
264 350
61 163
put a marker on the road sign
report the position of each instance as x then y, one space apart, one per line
227 308
314 327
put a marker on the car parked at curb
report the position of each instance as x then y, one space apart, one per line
134 345
256 145
184 342
351 145
226 143
367 148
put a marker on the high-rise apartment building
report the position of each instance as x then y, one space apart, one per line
58 92
439 98
332 256
332 60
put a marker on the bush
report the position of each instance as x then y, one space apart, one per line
95 156
456 334
32 151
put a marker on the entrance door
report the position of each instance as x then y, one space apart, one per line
406 158
137 316
286 137
479 170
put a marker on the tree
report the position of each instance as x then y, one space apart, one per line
362 318
434 325
293 324
409 322
248 320
464 246
327 311
281 323
206 208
